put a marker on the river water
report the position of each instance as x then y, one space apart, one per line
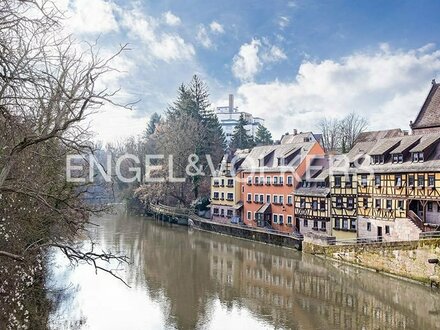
184 279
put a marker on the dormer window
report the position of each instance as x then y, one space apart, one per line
397 158
418 157
377 159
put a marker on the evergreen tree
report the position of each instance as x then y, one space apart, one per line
240 137
152 124
263 136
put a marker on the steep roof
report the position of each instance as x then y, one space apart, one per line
429 114
377 135
298 138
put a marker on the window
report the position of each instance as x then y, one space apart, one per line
398 181
421 180
261 180
275 199
229 213
261 198
289 180
417 157
339 202
289 219
215 195
314 205
249 215
222 212
230 182
378 203
337 181
364 180
230 197
267 198
256 180
322 205
400 158
281 199
349 181
215 211
275 180
387 230
223 182
421 156
429 206
345 224
353 224
350 203
315 224
368 226
249 180
281 180
249 197
216 183
267 180
365 203
281 219
256 198
395 158
400 205
323 225
222 197
306 223
431 181
289 200
377 159
377 180
411 180
275 218
337 223
389 204
302 203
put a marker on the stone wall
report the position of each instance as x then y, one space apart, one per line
407 259
254 234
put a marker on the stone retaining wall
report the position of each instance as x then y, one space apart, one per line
407 259
247 233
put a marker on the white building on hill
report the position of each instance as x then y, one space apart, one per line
229 116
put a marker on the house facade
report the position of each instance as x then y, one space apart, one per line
269 176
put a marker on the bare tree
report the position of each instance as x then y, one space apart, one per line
48 86
331 134
351 126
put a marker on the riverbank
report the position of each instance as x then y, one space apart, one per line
405 259
253 234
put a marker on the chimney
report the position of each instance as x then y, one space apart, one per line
231 103
295 131
433 82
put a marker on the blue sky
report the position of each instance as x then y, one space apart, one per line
290 62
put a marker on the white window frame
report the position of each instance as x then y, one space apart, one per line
281 199
289 199
289 219
249 197
275 199
290 178
281 219
275 218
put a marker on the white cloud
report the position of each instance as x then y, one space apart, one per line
165 46
216 27
283 21
203 37
274 54
252 56
388 87
246 64
171 19
91 16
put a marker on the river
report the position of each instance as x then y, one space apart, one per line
185 279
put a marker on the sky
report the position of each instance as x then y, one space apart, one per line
290 62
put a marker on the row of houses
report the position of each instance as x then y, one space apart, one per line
386 187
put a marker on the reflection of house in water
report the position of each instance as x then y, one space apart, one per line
287 288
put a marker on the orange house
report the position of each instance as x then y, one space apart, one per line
268 179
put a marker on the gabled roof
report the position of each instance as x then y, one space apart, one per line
406 143
378 135
429 114
297 138
384 146
425 143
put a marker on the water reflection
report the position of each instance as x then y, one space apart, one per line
185 280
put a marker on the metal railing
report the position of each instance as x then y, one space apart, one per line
429 234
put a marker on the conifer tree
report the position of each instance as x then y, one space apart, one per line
152 124
263 136
240 137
